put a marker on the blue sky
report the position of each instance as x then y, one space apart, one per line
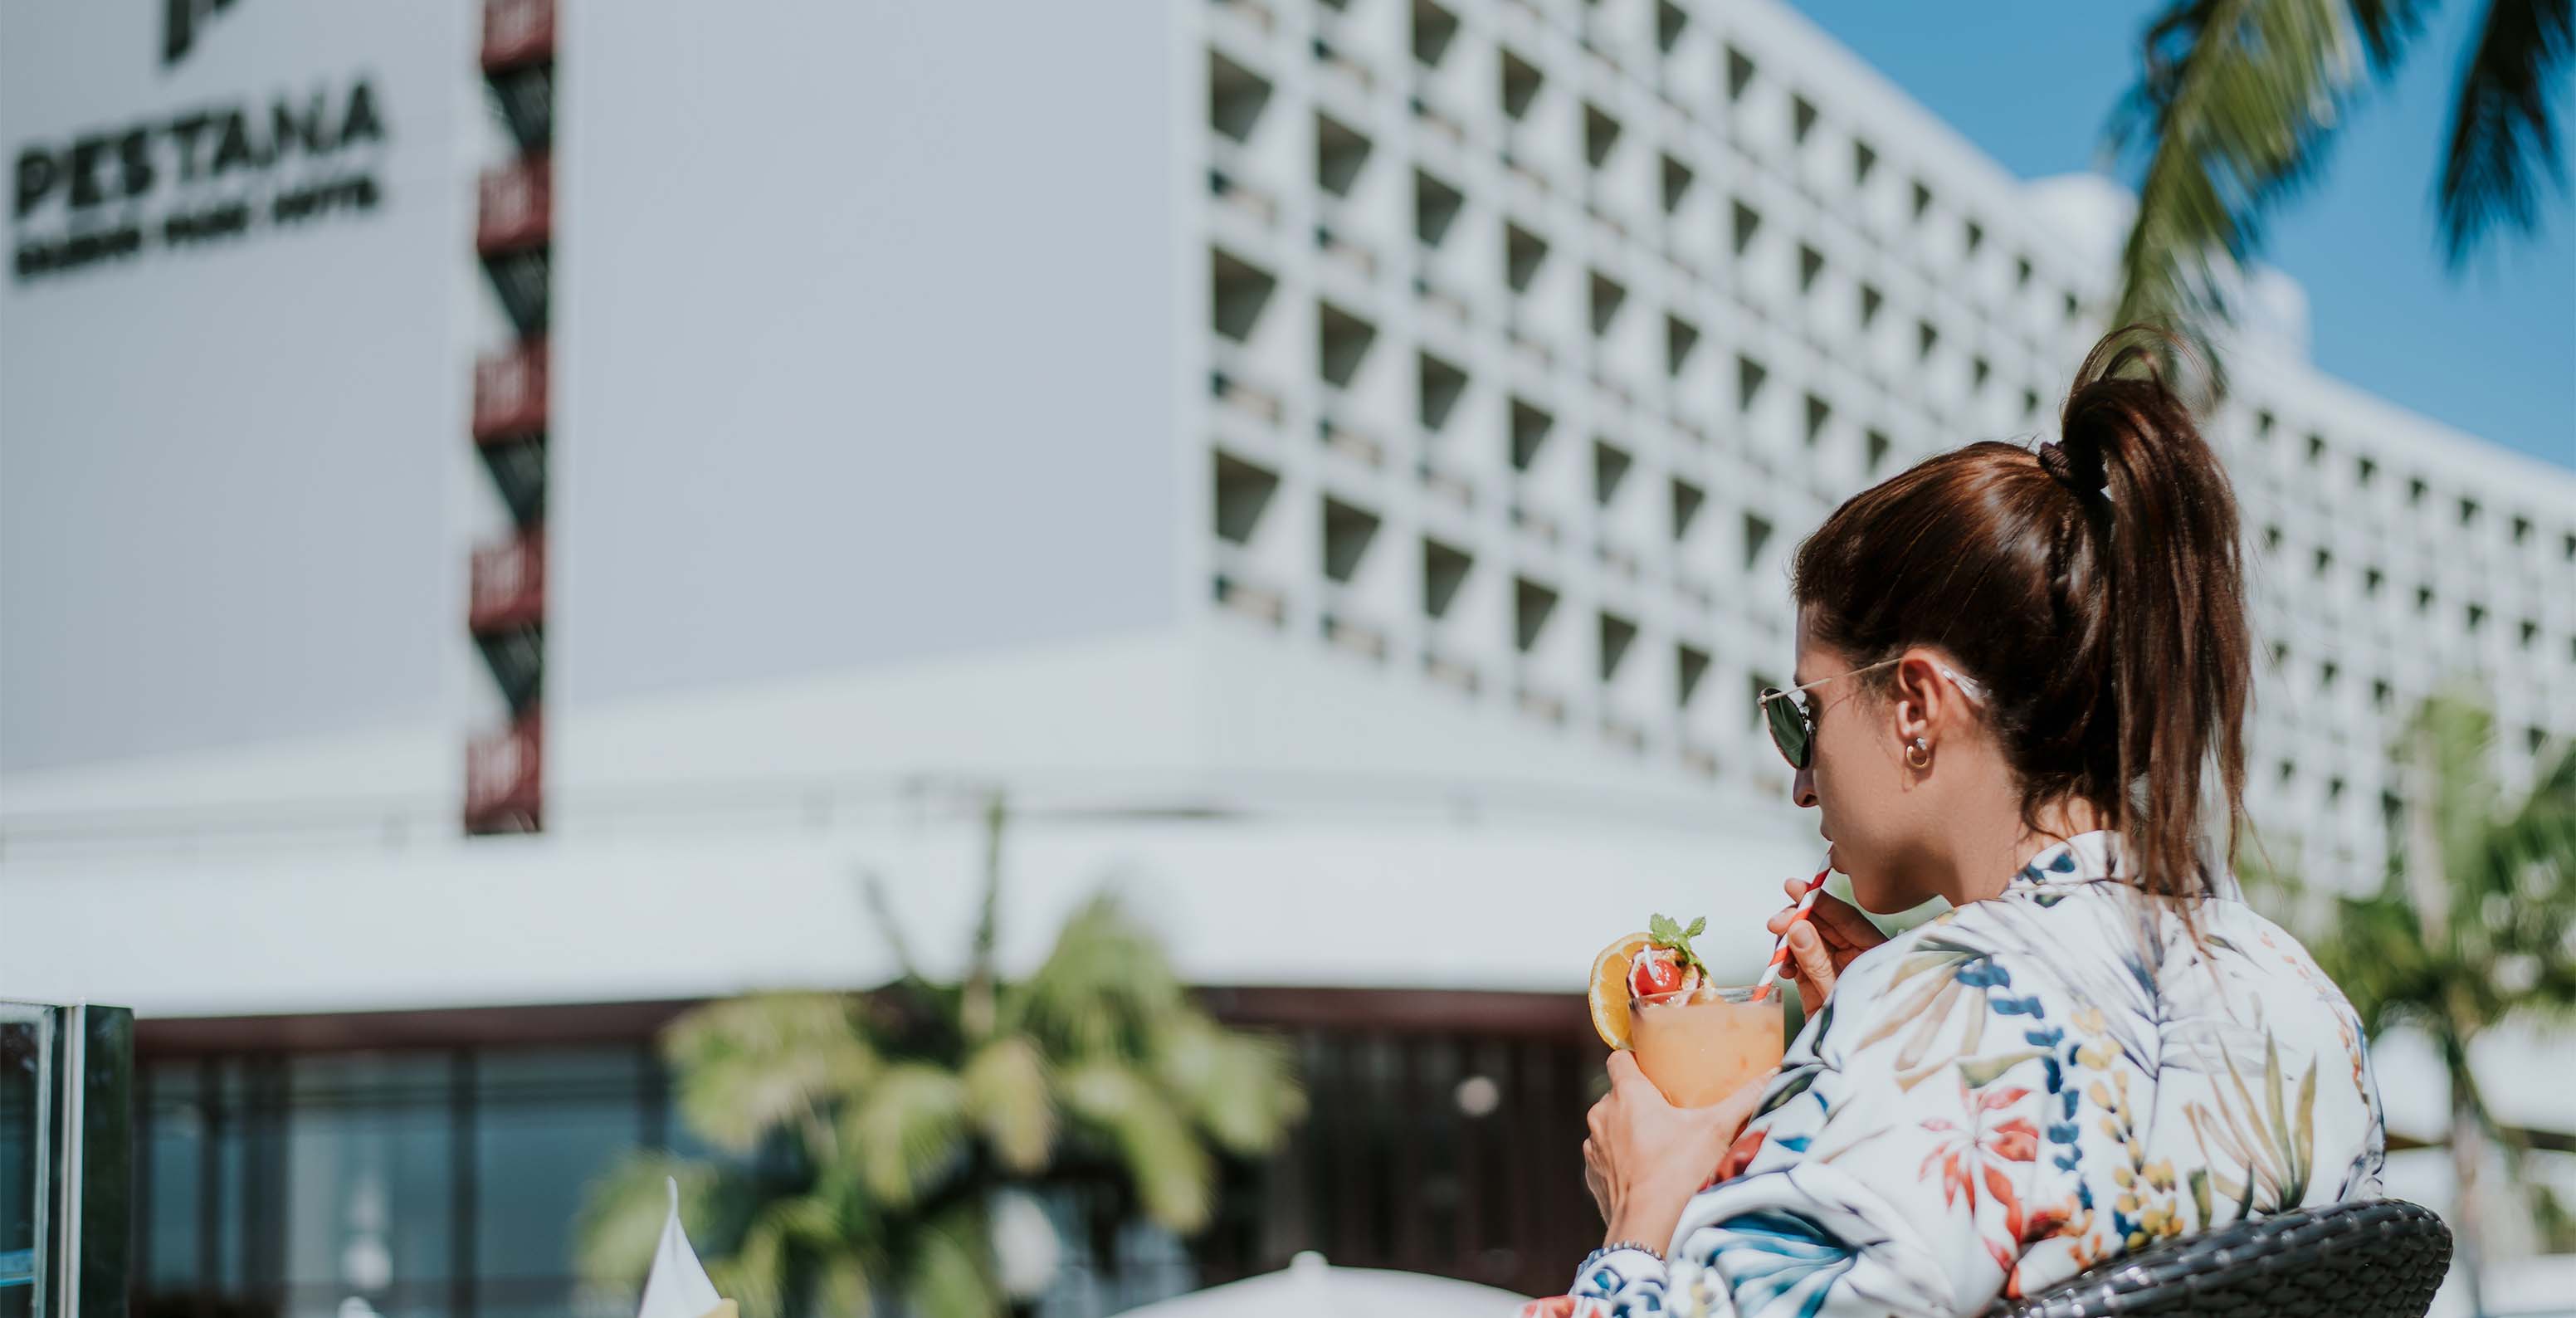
2491 350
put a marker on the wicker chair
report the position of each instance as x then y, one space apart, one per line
2378 1258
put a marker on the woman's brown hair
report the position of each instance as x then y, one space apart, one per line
2094 585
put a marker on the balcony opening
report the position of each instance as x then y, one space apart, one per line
1818 413
1677 182
1922 199
1531 605
1348 532
1523 253
1600 135
2324 562
1435 208
1340 153
1444 570
1617 634
2381 693
1530 427
1802 119
1442 385
1680 336
1687 500
1757 537
1870 301
1607 297
1739 73
2021 272
1874 446
1521 83
1242 292
2521 525
2272 538
2372 579
1433 29
1236 97
1343 341
1749 375
2477 615
1864 162
1976 237
2029 404
1811 263
1926 338
1610 465
1689 666
2316 450
2423 599
2415 491
1747 221
2073 308
2366 471
1979 371
1670 22
2468 512
1242 494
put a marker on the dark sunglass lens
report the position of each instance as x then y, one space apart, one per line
1788 730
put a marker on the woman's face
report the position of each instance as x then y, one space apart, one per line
1871 806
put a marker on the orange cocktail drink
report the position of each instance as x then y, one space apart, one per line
1701 1050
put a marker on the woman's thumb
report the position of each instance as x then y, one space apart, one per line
1808 951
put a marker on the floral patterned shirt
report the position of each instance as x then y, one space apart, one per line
2013 1092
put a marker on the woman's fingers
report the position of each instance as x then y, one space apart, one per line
1815 964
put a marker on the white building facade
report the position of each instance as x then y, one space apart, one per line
1332 465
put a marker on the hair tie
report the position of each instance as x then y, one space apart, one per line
2060 464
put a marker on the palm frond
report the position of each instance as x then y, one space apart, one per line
843 1288
2233 112
952 1270
906 1132
1007 1098
1172 1172
2504 138
1239 1086
748 1065
1103 984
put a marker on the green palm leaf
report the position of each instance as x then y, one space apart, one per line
1241 1088
1172 1172
2502 139
624 1209
1007 1098
952 1272
749 1065
907 1131
1104 982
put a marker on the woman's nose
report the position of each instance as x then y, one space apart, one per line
1802 788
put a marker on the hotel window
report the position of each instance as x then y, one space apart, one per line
1749 375
1670 22
1810 264
1677 182
1242 494
1870 301
1802 119
2521 530
1976 237
1241 291
1610 465
1600 135
1340 152
1680 336
1348 532
1236 96
1442 384
1435 208
1864 160
1739 73
1342 343
1687 501
2316 450
1690 664
1922 199
1757 536
1747 221
1521 82
1444 569
1433 29
1818 413
1523 253
1925 338
1608 295
1875 446
1532 604
1617 634
1530 427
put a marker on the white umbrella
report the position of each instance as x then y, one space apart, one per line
1309 1286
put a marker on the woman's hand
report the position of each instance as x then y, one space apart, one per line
1646 1158
1822 944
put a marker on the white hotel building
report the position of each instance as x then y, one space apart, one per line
1331 463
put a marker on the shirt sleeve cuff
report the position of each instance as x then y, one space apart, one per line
1617 1274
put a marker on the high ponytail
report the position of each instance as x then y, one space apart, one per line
2095 585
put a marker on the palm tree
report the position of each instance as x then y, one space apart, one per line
2471 927
875 1138
2239 99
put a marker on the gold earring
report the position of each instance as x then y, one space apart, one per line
1918 748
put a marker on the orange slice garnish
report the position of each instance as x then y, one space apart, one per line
1609 990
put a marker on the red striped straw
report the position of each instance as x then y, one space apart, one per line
1780 952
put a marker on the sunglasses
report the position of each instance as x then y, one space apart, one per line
1793 721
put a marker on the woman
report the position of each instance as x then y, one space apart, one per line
2015 671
